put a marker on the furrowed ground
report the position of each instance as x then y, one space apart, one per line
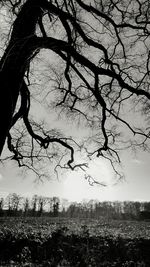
73 242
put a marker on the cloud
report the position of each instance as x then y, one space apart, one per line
137 161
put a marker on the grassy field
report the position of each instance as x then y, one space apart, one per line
72 242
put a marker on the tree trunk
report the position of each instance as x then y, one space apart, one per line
15 61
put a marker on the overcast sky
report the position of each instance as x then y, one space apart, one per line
74 187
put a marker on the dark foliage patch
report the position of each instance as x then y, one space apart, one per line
63 249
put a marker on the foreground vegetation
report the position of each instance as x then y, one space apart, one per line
63 242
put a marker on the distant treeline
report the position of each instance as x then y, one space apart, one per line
16 205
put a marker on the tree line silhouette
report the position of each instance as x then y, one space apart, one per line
16 205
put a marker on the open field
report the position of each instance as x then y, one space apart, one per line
74 242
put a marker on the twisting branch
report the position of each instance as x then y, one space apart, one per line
102 57
44 142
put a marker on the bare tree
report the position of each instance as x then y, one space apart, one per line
42 201
1 205
26 205
93 60
13 201
34 203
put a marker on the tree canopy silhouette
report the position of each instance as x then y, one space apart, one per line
88 61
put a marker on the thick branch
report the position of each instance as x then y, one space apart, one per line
59 45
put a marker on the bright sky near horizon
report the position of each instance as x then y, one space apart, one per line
75 187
